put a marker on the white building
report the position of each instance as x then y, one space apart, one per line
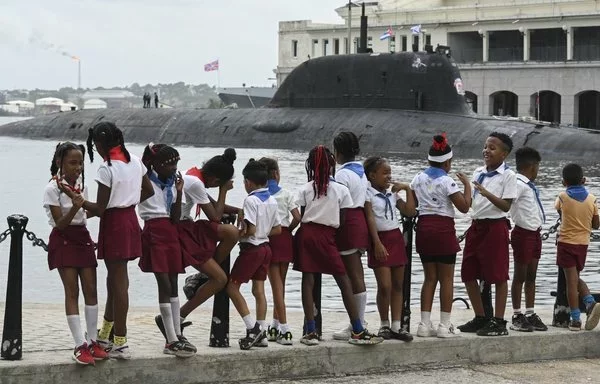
95 104
536 58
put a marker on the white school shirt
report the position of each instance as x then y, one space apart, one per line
155 207
262 214
433 195
386 216
525 210
357 185
124 180
195 193
502 185
286 202
326 209
54 197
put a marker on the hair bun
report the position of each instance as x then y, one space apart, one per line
229 155
440 142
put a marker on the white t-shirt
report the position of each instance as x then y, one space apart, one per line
433 194
357 185
262 214
525 209
195 193
156 206
54 197
326 209
125 181
503 185
286 202
384 209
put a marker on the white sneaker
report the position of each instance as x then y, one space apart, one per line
264 342
120 352
344 334
448 331
426 330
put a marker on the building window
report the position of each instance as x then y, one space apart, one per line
295 48
415 46
356 44
346 46
325 45
428 39
336 46
404 43
313 50
392 44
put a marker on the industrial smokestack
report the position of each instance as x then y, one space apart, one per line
363 31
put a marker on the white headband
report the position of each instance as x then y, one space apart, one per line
440 159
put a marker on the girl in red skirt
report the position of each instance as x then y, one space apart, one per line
282 250
323 203
353 236
437 194
71 249
387 253
161 252
120 179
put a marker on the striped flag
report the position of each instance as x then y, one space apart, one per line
212 66
388 33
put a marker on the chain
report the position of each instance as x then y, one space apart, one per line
551 230
462 237
36 242
4 235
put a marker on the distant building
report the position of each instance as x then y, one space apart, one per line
22 105
113 98
538 58
95 104
47 105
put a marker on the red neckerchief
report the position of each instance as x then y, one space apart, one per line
76 188
116 153
198 173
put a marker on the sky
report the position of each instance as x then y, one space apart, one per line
145 41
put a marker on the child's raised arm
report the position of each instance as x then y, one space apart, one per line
462 201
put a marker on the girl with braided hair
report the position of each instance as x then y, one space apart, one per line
71 249
322 202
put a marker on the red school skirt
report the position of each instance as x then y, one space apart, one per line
353 233
436 236
316 250
71 247
393 241
198 240
161 252
120 236
282 246
526 245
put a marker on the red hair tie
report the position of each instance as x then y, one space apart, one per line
440 146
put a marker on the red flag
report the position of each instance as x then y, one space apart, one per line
212 66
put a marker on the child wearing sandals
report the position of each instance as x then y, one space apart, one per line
387 253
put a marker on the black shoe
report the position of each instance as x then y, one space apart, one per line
385 333
402 335
192 283
253 336
494 327
159 323
189 345
474 325
521 323
536 322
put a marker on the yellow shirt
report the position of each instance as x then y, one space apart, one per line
576 222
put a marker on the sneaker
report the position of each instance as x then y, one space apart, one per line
189 345
263 343
272 334
575 325
161 326
343 334
593 316
536 322
97 352
120 352
192 283
310 339
385 333
474 325
402 335
426 330
253 336
107 345
521 323
285 338
179 349
447 331
364 338
82 355
494 327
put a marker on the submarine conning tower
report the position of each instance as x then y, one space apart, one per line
422 81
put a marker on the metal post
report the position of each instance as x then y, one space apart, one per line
349 28
13 329
562 311
486 298
408 224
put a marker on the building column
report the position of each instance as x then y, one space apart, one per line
486 44
569 33
526 43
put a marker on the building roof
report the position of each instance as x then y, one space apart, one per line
94 104
49 101
107 94
21 103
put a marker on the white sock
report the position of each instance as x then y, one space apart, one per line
263 324
75 327
91 322
445 318
167 318
529 311
425 317
249 321
283 328
384 323
361 305
275 324
517 311
175 311
396 325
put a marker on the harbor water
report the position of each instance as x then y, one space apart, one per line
26 164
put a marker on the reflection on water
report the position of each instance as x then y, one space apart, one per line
26 163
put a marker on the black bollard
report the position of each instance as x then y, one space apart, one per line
486 299
562 311
408 224
13 329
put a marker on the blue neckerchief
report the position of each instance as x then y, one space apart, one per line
273 186
388 204
262 193
355 167
483 175
577 192
168 184
434 172
536 192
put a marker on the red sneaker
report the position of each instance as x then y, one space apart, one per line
97 352
82 355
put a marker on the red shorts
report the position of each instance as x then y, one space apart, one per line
486 251
282 247
316 250
353 233
526 245
571 255
120 236
436 236
71 247
198 240
251 264
393 241
161 252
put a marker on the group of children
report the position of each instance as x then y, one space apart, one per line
339 216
